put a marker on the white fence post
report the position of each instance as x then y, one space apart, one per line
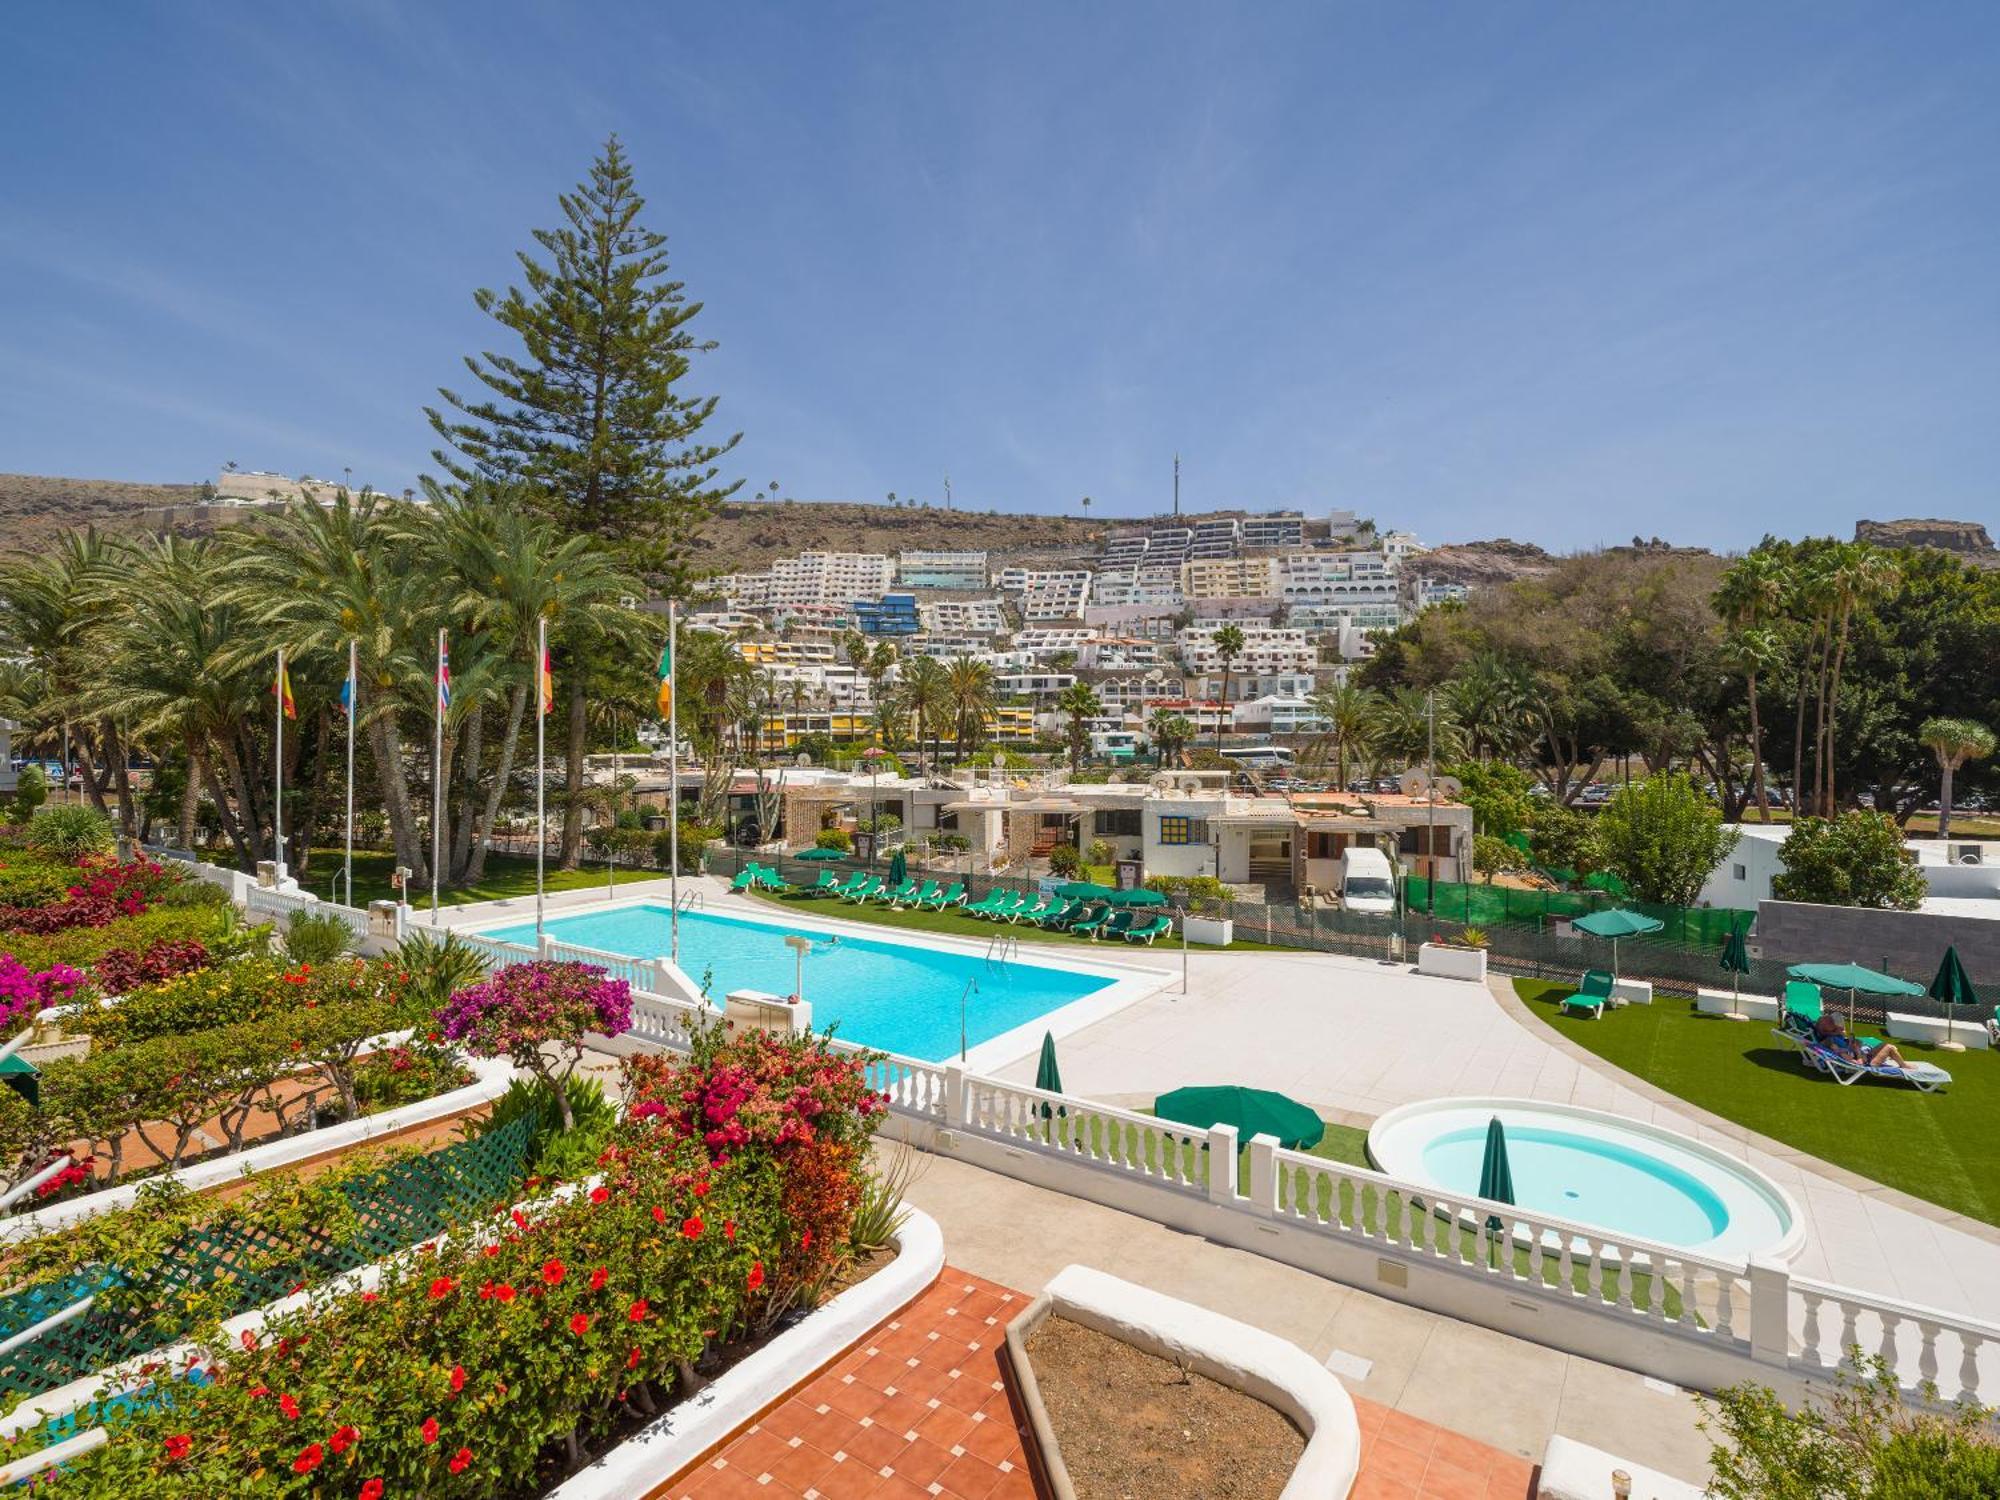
1222 1164
1264 1171
1770 1312
956 1110
801 1015
543 944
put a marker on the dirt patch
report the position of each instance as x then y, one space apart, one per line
1133 1426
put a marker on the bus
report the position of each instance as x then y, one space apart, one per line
1260 757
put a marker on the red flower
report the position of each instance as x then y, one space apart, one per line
806 1240
637 1312
729 1229
260 1390
308 1459
579 1325
553 1272
701 1188
459 1460
442 1287
632 1360
659 1214
344 1438
457 1378
503 1293
489 1251
289 1407
598 1278
756 1276
179 1444
599 1194
691 1228
371 1297
429 1431
249 1340
520 1219
372 1490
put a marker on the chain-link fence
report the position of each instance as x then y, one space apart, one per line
1497 905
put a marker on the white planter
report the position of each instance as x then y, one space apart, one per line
1632 991
1444 962
1931 1030
1219 931
677 1440
1721 1003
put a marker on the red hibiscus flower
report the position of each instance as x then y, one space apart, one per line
442 1287
701 1188
637 1311
806 1240
598 1278
289 1407
308 1459
260 1390
372 1490
429 1431
489 1251
180 1443
503 1293
344 1438
459 1460
371 1297
691 1228
457 1378
553 1272
579 1325
729 1229
600 1194
249 1340
632 1360
659 1214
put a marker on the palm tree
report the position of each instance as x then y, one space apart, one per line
1228 647
1079 705
1490 704
1751 597
971 696
1953 742
926 696
1349 712
1404 727
1863 575
881 663
1171 733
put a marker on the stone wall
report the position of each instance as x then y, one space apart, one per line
1907 943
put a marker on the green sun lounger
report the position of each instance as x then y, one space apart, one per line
944 899
983 907
1592 994
1803 1006
1117 924
870 886
1090 918
913 894
827 883
895 895
1146 931
769 879
745 878
1009 903
1058 914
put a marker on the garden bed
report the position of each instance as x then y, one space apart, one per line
1135 1426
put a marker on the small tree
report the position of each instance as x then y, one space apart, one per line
1856 859
1491 856
1663 837
1953 742
536 1015
1564 839
31 790
1064 860
1078 705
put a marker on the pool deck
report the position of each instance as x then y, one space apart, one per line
1355 1038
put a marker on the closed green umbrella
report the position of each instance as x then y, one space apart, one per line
817 853
1855 980
899 867
1252 1111
1736 962
1048 1077
1953 986
1616 923
1496 1176
1137 896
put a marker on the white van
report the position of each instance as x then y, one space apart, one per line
1367 884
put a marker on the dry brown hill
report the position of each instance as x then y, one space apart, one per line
35 509
1966 538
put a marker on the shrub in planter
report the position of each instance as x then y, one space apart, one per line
1188 890
121 971
106 890
536 1015
217 929
31 790
30 879
834 838
190 1002
554 1154
69 829
1064 860
406 1073
316 938
485 1370
1103 852
435 967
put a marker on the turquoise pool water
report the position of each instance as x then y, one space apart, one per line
893 996
1570 1175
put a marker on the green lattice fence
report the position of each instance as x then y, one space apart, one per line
404 1202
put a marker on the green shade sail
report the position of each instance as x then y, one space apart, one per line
1854 977
1253 1112
1138 896
1085 890
1617 923
821 854
899 867
1736 954
1953 986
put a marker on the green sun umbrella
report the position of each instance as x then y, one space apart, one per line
1085 890
1736 963
1953 986
1496 1176
1137 896
1252 1111
1855 980
1616 923
899 867
817 853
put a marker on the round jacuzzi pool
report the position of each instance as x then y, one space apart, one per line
1594 1169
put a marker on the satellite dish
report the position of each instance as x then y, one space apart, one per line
1414 783
1449 786
803 761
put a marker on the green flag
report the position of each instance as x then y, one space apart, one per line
666 681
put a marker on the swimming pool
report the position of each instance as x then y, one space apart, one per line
899 997
1594 1168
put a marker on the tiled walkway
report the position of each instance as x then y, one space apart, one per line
918 1410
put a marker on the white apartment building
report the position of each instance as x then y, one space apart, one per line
1272 714
1048 594
1127 550
1246 686
1286 529
790 651
826 685
1402 544
1133 692
1342 524
1266 648
1032 684
941 570
1046 640
1438 591
1153 622
1220 538
722 621
944 647
964 616
1118 654
1142 585
1230 578
811 578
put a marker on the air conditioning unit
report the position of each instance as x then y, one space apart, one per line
1968 854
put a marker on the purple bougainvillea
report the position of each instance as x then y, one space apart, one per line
536 1015
23 992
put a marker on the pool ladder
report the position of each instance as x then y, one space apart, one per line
1000 949
692 899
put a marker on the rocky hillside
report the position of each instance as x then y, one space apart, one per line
1482 563
1967 538
35 510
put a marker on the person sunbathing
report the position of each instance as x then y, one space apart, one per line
1827 1032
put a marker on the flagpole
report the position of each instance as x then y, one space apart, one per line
278 808
437 780
353 695
674 777
541 720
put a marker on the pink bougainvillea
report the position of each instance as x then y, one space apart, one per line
537 1014
23 992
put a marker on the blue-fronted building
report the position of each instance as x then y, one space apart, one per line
892 614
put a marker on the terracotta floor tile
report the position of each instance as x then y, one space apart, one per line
755 1452
899 1488
968 1392
856 1400
1510 1478
1014 1486
970 1477
852 1480
1410 1432
1443 1481
1465 1452
728 1484
1368 1415
875 1446
901 1412
946 1425
1394 1462
823 1431
923 1461
798 1467
1376 1487
994 1440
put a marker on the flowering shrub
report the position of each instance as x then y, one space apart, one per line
536 1014
490 1365
23 993
217 929
121 970
29 879
244 991
107 890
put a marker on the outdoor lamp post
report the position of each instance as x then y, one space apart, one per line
800 946
873 755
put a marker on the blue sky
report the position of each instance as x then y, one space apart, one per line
1560 272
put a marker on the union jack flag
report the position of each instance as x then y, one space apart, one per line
444 675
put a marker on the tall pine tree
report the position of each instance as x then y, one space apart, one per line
593 414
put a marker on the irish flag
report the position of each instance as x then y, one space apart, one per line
666 681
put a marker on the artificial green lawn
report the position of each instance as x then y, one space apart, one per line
1944 1147
506 875
957 924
